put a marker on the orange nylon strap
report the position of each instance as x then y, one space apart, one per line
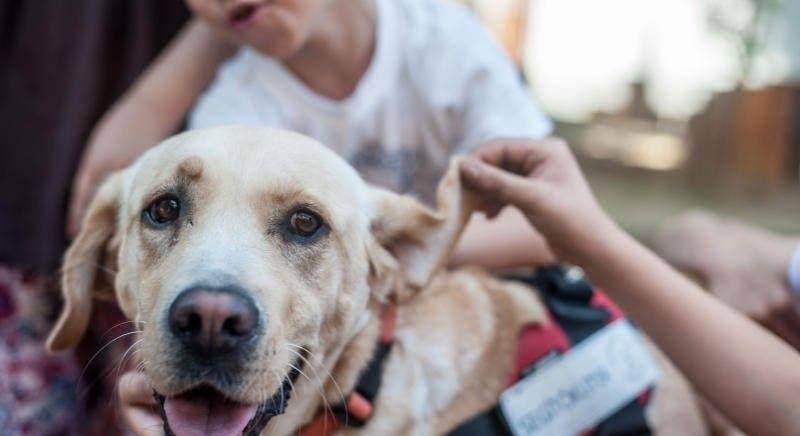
325 424
388 322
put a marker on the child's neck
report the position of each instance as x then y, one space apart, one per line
339 50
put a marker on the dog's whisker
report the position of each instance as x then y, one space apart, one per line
326 405
120 324
329 375
299 346
140 366
293 389
320 387
98 352
121 362
118 382
314 356
301 373
291 384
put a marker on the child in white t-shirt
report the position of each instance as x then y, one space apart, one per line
396 87
436 85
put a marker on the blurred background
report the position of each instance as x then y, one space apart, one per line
670 104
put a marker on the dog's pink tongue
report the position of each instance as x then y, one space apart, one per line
207 415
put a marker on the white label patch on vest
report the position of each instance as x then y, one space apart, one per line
583 387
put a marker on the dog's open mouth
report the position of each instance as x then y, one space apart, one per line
206 411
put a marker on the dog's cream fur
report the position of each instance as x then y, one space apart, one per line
457 330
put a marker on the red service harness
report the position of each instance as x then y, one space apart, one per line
577 310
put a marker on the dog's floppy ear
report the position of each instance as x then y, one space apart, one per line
93 251
415 239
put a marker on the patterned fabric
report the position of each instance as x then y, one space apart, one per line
43 394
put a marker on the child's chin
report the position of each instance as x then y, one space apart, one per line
282 48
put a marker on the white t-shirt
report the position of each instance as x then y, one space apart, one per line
437 85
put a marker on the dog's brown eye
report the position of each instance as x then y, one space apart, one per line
164 210
304 223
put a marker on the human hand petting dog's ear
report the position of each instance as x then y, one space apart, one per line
543 180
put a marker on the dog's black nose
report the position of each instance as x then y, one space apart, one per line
213 320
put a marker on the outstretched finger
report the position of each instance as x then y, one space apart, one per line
497 185
519 156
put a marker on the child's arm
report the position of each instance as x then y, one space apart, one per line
747 373
148 112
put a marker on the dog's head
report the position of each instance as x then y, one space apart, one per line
237 250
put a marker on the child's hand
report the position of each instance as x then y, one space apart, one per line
139 408
544 181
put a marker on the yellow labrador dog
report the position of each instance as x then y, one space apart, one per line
247 255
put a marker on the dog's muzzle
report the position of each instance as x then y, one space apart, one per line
214 332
